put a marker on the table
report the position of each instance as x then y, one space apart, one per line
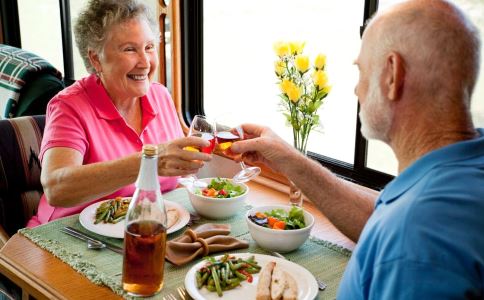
43 276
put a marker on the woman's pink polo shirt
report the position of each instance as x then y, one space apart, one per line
84 118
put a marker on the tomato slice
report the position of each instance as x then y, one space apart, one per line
247 274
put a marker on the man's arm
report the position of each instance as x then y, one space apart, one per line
347 205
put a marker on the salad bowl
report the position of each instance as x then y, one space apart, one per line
221 199
279 239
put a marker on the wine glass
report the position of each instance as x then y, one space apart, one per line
226 136
202 127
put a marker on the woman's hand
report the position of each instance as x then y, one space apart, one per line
174 161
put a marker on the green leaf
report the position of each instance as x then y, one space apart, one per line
321 94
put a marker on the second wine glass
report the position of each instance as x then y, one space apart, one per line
204 128
227 134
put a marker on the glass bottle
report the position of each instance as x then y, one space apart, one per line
145 231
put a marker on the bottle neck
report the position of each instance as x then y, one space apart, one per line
148 174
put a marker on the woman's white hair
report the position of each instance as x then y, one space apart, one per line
95 20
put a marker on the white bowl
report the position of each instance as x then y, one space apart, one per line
278 240
218 208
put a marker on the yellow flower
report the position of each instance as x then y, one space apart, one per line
320 61
281 49
320 79
285 85
292 91
302 63
296 47
279 67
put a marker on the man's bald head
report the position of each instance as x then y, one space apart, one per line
439 45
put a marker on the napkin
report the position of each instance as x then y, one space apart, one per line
199 242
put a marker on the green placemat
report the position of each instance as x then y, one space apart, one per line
325 260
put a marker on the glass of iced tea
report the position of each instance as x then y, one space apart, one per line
226 136
203 127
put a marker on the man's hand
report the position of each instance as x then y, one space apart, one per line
261 144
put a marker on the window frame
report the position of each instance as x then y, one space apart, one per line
192 95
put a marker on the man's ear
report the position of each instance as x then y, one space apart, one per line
394 73
95 60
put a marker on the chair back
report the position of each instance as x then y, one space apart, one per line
27 83
20 187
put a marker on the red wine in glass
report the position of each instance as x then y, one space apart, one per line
224 142
225 138
204 128
208 137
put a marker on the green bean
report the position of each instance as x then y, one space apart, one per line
204 278
222 277
227 271
233 280
231 265
237 266
210 282
217 282
253 265
198 277
101 217
231 286
210 288
252 270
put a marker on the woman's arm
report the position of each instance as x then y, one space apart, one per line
67 182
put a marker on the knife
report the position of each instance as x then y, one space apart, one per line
86 237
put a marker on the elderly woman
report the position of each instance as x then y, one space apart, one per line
95 129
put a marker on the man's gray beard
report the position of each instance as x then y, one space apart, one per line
375 115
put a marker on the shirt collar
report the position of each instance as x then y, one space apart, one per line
104 106
451 153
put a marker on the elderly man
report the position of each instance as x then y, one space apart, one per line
422 237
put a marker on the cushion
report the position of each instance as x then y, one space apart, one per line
20 187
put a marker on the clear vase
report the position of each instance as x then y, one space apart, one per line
295 193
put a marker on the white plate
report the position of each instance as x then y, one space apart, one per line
88 216
306 283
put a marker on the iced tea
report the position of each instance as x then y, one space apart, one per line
144 258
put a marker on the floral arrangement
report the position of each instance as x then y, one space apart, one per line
302 91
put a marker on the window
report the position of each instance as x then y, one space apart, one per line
231 69
238 38
45 28
39 32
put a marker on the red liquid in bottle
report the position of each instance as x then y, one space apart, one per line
144 258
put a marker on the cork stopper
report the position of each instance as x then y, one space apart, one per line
150 150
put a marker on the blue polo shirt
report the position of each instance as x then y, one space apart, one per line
425 239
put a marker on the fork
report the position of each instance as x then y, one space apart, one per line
194 218
183 293
321 285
